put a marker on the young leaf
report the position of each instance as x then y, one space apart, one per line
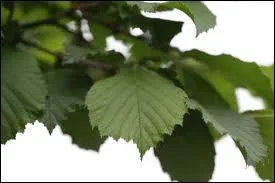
265 119
239 73
188 155
77 125
136 104
23 92
67 88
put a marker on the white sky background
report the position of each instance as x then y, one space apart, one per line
244 29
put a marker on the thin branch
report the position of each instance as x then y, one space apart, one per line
97 64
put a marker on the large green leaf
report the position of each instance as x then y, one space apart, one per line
242 129
136 104
188 154
67 88
77 125
23 92
265 119
239 73
203 18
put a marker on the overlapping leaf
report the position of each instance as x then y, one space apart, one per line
216 111
137 105
77 54
269 72
67 88
23 92
140 50
159 37
265 119
77 125
188 154
203 18
239 73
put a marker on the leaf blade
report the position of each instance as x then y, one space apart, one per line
21 100
77 125
133 108
67 88
188 155
265 119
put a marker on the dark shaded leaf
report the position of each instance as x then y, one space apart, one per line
77 125
189 153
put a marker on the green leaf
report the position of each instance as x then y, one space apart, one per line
136 104
99 35
67 88
241 128
265 119
160 38
140 50
49 37
203 18
188 154
79 128
23 92
193 84
198 88
239 73
218 84
269 72
76 54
